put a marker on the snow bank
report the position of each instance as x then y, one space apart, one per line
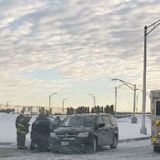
7 127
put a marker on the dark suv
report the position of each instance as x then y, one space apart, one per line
85 131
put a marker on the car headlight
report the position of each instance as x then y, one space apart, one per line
53 135
83 134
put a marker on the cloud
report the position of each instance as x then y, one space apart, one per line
79 39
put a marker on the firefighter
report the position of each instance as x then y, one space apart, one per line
22 126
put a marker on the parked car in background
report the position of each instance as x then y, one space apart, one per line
85 132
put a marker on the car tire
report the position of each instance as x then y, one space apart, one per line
156 148
94 144
115 143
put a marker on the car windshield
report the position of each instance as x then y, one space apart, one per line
78 121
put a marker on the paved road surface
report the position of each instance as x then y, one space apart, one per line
140 150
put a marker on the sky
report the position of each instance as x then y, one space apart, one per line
75 47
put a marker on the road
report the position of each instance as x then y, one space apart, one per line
139 150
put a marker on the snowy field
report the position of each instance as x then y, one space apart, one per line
126 129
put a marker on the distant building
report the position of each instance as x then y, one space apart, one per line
32 109
28 109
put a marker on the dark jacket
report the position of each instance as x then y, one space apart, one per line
22 124
43 125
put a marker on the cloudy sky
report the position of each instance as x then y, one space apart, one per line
75 47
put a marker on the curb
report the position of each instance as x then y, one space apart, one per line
120 141
5 143
134 139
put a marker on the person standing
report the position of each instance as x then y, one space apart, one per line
43 132
22 127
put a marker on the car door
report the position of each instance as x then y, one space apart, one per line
101 132
108 130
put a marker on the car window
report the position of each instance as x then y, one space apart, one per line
158 108
107 120
100 120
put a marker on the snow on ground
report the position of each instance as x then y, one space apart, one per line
7 125
8 130
126 129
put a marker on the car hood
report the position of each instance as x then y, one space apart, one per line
73 130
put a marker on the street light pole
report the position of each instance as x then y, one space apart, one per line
154 25
94 99
116 95
115 104
143 129
49 102
137 104
7 104
50 96
63 105
133 87
134 101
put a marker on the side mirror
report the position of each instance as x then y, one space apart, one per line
101 125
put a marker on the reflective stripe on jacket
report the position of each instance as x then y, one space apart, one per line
22 124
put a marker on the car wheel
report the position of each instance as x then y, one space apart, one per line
156 148
115 143
94 144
